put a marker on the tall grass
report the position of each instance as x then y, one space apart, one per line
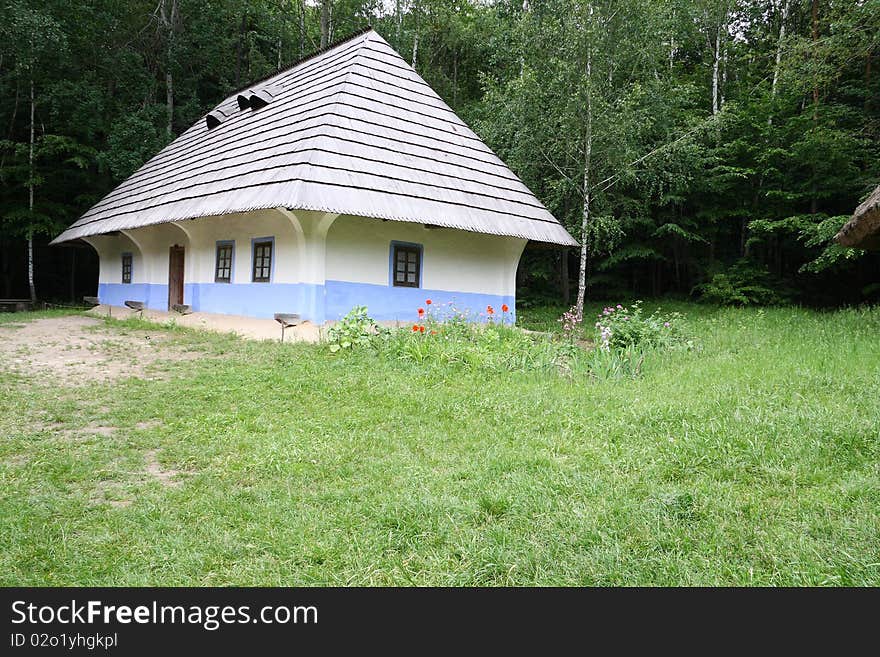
753 460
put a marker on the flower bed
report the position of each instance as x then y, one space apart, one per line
443 335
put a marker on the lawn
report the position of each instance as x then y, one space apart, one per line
751 460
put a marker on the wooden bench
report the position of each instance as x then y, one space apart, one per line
137 306
181 308
287 320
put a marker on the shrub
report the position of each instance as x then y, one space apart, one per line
356 329
625 328
743 284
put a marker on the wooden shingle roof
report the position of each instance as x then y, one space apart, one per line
352 130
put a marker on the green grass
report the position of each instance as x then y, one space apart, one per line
14 319
752 460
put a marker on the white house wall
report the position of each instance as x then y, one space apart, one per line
322 266
467 271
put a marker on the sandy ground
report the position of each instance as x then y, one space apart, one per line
79 349
76 350
246 327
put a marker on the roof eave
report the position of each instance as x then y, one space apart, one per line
65 236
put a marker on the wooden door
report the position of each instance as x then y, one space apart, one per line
175 276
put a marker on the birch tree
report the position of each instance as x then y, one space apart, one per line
44 40
716 18
416 11
586 184
326 9
169 23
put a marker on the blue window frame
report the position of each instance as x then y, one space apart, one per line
224 262
127 267
262 259
406 264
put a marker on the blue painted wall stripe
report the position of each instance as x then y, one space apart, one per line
316 303
385 302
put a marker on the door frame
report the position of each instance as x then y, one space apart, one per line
176 256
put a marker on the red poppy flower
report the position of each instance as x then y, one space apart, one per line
504 308
421 311
490 310
415 328
428 301
422 329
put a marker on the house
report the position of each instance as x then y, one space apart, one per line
343 180
862 231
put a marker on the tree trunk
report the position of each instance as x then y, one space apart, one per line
415 52
586 186
815 37
455 78
169 18
73 275
325 22
868 81
522 51
302 28
715 64
30 233
399 19
239 49
785 6
5 269
169 102
563 277
723 83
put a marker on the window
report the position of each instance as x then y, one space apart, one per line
126 268
223 267
406 265
262 261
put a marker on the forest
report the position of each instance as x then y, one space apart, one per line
701 149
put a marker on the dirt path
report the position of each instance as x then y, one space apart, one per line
250 328
77 350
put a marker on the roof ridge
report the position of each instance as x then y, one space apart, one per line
295 63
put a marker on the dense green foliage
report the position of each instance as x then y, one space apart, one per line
703 133
751 461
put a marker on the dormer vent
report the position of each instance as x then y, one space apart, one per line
263 96
215 118
259 97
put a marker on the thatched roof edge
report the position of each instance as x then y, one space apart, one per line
862 231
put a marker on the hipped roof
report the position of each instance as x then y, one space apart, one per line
352 130
863 230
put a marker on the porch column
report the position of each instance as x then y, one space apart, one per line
311 229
